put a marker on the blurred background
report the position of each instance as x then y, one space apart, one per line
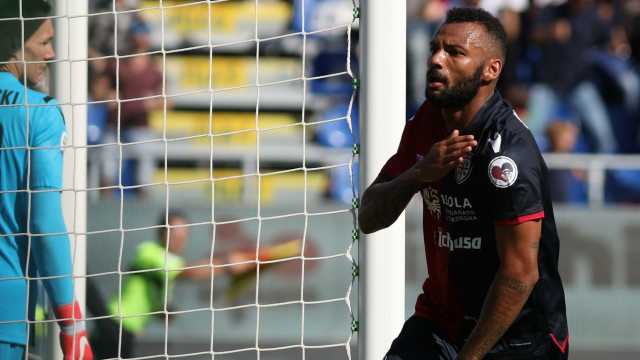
245 164
248 164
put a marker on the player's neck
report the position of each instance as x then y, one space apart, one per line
460 118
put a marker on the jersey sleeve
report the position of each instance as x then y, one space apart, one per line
404 158
50 243
515 177
46 136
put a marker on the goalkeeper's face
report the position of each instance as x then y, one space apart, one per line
456 64
38 49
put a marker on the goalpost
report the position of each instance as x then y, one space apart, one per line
382 279
377 260
69 87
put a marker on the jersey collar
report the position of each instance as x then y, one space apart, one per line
480 120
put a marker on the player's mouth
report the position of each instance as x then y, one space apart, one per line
435 80
435 85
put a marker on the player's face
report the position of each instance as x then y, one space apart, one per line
456 64
37 49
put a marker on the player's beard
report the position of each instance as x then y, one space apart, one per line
43 84
458 95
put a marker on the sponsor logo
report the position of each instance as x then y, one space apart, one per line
461 242
503 172
431 198
463 171
455 208
455 202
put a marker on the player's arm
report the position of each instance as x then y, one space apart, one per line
242 261
515 279
386 198
50 248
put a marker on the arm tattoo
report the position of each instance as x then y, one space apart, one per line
504 302
513 284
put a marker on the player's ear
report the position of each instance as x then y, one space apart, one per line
492 69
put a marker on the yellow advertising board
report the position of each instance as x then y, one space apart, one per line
230 185
234 128
229 21
191 73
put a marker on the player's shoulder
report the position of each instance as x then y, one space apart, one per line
44 109
509 132
36 97
510 146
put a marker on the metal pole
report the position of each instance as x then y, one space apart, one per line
382 105
70 89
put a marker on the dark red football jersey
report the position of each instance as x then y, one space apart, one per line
503 181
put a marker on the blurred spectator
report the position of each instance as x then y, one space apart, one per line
146 291
140 90
101 27
512 83
420 30
568 185
495 6
157 264
101 104
566 34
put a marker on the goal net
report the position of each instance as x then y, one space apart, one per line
221 180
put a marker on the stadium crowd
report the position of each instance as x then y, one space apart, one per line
571 73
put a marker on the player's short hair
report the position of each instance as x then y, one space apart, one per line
492 25
11 30
173 214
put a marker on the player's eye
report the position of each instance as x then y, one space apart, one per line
454 52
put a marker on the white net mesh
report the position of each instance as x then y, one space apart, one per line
222 149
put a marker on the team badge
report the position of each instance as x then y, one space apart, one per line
463 171
503 172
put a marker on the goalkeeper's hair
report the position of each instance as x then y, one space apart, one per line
167 219
11 30
480 16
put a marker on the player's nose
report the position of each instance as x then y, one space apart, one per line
49 53
436 59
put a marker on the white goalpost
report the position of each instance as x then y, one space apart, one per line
70 89
382 103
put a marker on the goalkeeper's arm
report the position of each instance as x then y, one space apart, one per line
51 252
50 248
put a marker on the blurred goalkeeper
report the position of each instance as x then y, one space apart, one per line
32 131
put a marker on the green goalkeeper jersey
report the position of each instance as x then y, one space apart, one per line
143 292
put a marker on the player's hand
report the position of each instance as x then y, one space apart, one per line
444 156
73 336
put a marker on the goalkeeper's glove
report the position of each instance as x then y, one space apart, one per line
73 336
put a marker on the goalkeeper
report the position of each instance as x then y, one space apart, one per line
33 239
143 292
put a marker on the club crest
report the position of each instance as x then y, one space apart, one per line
503 172
463 171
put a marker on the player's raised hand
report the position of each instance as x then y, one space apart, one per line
444 156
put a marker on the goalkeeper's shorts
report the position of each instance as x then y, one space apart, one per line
421 340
